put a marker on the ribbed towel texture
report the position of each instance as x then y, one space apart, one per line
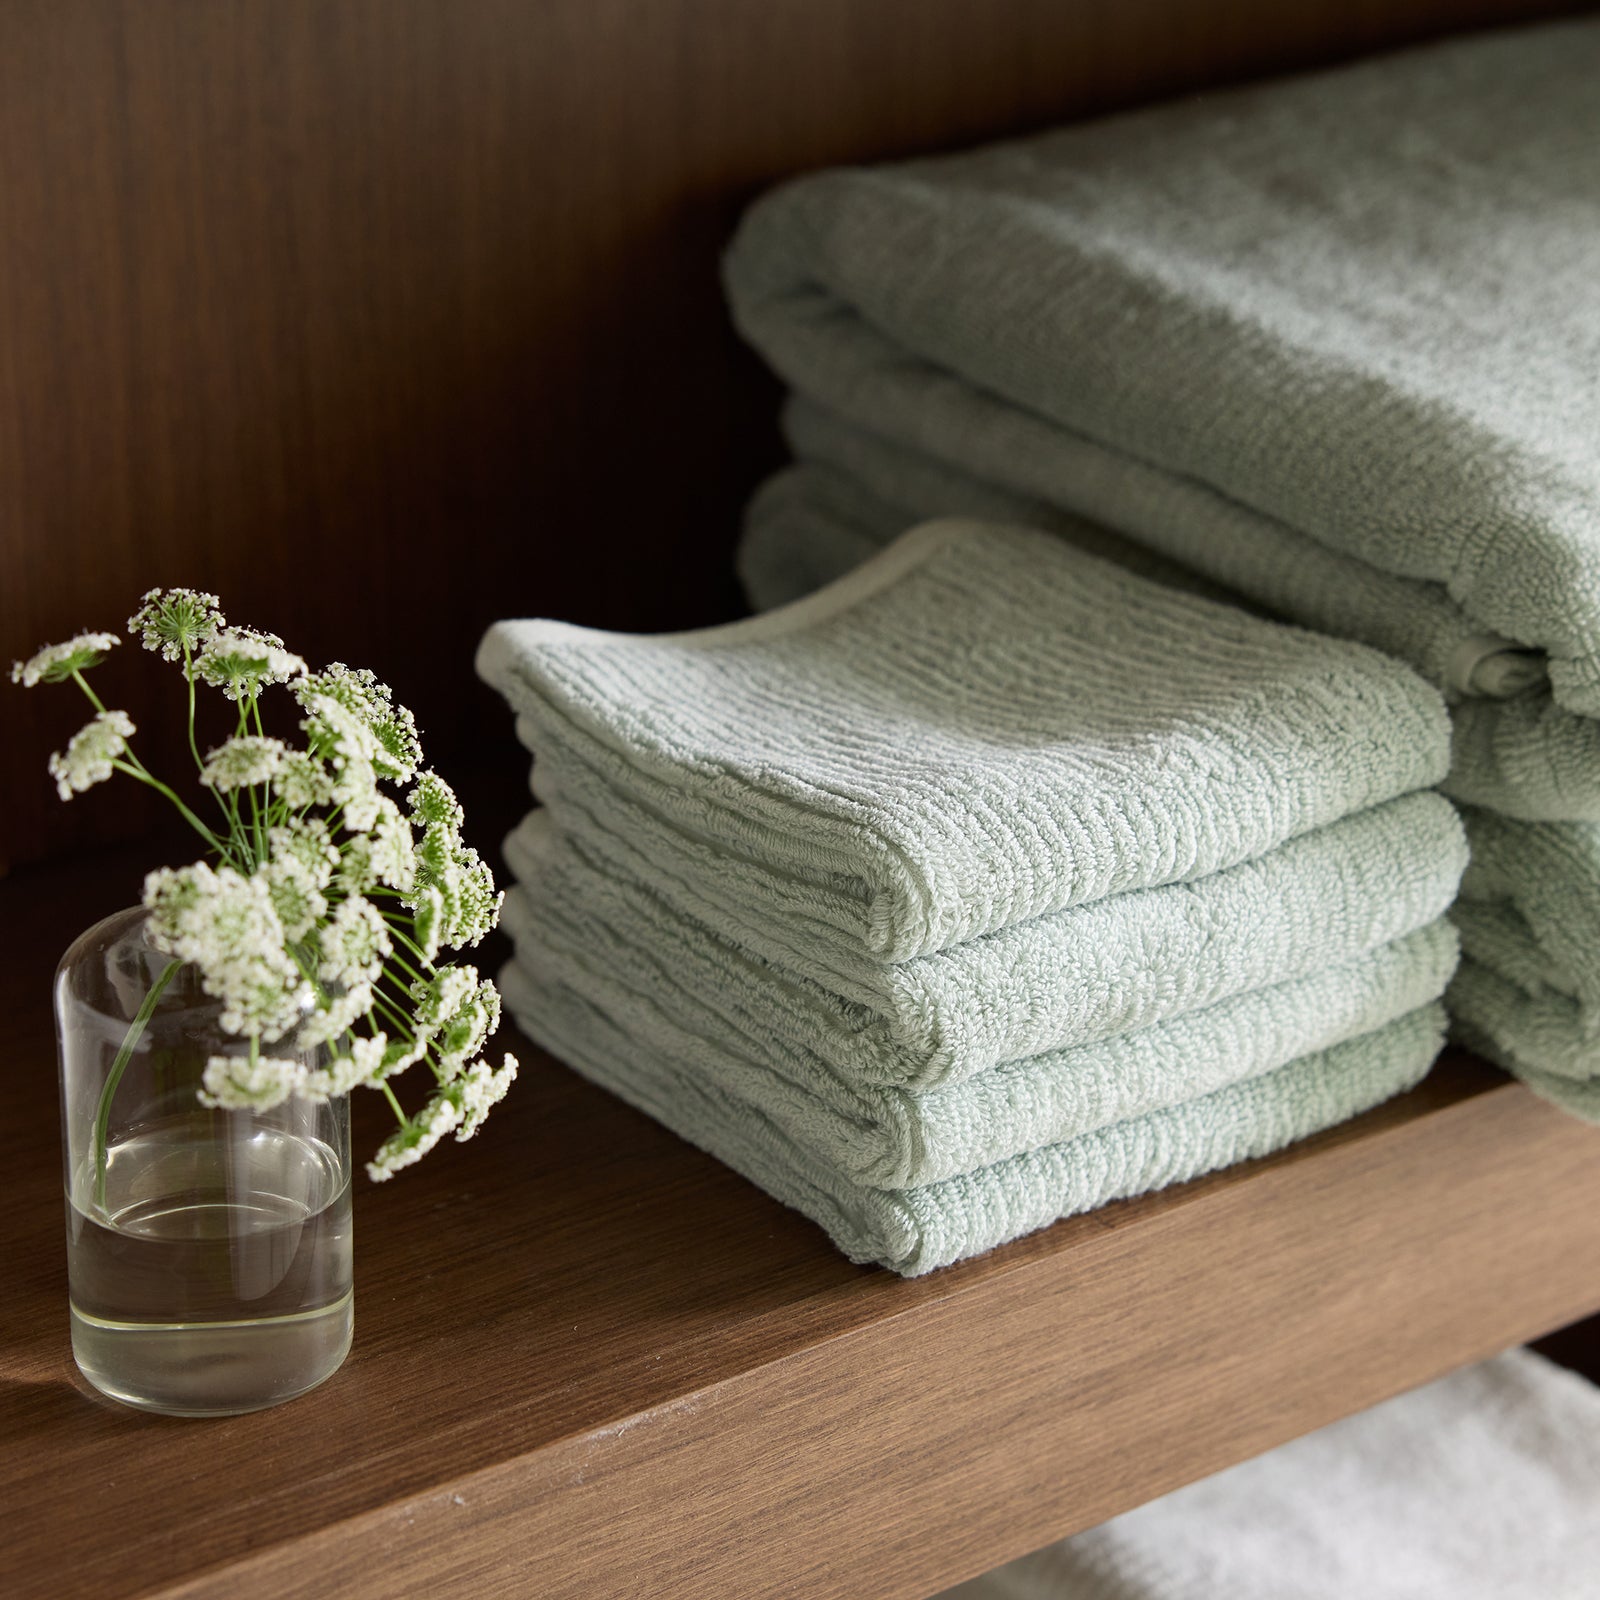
1481 1486
914 1230
1353 312
1070 978
1331 342
991 884
979 726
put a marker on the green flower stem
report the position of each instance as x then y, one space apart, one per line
405 1121
102 1119
188 673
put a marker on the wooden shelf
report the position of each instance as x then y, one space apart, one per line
591 1362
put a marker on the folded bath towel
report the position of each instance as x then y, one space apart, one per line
891 1138
978 727
1482 1486
1529 917
1355 311
1065 979
916 1230
853 493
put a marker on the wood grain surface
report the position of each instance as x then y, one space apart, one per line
591 1362
384 318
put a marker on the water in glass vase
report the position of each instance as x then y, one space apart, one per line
214 1277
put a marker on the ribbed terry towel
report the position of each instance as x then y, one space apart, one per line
1350 315
915 1230
892 1138
1066 979
978 727
1529 916
1481 1486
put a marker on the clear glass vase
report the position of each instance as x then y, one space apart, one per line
208 1251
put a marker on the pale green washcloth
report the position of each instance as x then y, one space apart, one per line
915 1230
891 1138
853 493
1356 311
1528 997
1056 981
978 727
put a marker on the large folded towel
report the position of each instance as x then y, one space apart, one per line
892 1138
978 727
1348 316
853 493
1482 1486
1529 917
915 1230
1062 980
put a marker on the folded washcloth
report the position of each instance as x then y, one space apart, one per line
893 1138
1061 980
916 1230
978 727
1353 313
1482 1486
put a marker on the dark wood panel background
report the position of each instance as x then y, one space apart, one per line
383 318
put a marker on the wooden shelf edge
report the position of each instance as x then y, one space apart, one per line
1076 1375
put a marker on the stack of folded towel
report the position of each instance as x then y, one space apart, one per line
987 885
1333 343
1482 1486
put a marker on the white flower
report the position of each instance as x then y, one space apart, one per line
480 1091
469 905
241 661
228 926
462 1034
412 1142
339 737
428 920
236 1083
174 620
296 896
307 842
354 944
393 858
302 780
396 749
88 756
244 760
344 1073
335 1016
441 996
434 804
57 662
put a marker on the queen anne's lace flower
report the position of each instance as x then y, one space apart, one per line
354 944
479 1090
296 896
87 759
172 621
462 1034
307 841
236 1083
241 661
345 1072
412 1142
335 1016
298 926
396 749
244 760
227 925
303 780
57 662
